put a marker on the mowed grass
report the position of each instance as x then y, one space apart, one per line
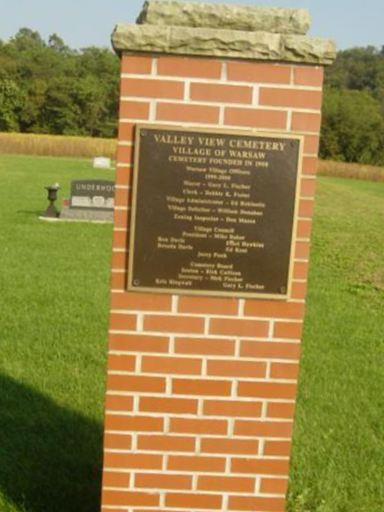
53 333
338 455
53 328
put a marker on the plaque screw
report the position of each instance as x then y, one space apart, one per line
283 289
136 282
143 133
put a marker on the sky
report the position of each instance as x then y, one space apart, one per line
83 23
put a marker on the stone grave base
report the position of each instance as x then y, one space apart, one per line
74 215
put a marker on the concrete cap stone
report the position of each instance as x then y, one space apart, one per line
223 43
224 16
227 31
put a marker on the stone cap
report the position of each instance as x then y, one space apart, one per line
224 16
228 31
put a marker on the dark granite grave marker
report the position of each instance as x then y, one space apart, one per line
91 200
92 194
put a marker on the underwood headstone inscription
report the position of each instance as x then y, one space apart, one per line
93 194
91 200
214 212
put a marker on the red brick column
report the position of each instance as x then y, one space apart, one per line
201 391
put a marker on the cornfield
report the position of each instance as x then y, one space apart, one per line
56 145
347 170
89 147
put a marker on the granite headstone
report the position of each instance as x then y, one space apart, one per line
91 200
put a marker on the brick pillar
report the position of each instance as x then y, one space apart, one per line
201 390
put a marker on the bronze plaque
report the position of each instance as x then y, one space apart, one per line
213 212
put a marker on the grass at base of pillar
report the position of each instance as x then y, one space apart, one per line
54 281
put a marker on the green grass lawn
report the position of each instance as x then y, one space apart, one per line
53 331
53 323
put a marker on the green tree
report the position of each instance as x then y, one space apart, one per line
98 90
64 91
360 69
57 44
11 103
59 114
25 39
353 127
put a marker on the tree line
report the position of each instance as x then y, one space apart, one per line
47 87
353 108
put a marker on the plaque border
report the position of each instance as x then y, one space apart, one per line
132 224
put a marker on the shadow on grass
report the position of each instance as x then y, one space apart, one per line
50 457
